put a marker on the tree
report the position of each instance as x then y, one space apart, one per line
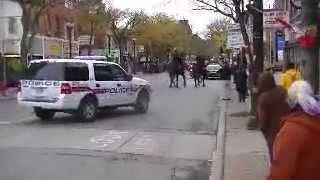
93 17
160 34
217 34
233 9
122 26
31 13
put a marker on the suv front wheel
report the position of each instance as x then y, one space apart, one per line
142 103
88 109
44 114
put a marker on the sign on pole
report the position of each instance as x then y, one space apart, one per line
235 39
271 17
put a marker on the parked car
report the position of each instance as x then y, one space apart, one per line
213 71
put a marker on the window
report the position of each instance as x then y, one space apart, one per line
68 4
59 71
46 71
102 72
76 72
12 25
118 74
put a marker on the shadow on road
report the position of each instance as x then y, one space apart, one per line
103 115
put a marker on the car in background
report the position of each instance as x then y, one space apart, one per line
213 71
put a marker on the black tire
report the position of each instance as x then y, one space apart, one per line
88 109
142 102
44 114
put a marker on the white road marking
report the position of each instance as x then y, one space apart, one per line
107 139
5 122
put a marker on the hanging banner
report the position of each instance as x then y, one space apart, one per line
271 18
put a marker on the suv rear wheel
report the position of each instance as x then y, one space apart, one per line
88 109
44 114
142 103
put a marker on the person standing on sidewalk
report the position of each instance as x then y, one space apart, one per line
289 76
297 145
271 107
241 83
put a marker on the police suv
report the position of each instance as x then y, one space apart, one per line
81 87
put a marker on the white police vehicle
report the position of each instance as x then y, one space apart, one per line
81 87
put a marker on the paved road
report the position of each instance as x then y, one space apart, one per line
174 140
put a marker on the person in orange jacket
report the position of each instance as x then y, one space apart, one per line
297 145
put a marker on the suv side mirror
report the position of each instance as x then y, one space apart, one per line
129 77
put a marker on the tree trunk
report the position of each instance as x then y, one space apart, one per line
24 49
91 38
310 56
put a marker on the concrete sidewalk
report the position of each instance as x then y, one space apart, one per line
246 154
10 94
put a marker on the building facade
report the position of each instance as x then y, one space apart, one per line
11 27
56 32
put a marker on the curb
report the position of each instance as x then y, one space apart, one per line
217 166
7 98
217 162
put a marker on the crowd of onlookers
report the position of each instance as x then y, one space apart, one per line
288 115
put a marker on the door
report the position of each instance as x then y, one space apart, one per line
104 85
123 83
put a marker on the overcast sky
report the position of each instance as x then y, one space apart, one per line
181 9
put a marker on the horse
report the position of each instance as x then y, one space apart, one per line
176 68
199 73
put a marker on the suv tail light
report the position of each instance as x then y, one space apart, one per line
66 88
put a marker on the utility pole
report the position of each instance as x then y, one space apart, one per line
311 55
255 8
258 38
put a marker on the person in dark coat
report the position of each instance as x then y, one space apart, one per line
241 83
271 107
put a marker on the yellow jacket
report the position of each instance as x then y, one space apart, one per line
288 77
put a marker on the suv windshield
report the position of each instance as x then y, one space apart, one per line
58 71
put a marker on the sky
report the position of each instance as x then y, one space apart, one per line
181 9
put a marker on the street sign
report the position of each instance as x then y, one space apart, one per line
235 40
280 45
271 16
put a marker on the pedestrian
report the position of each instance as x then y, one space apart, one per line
241 83
297 145
289 76
271 107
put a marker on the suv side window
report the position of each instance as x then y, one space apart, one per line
117 73
76 72
102 72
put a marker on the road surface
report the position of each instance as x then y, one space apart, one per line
174 140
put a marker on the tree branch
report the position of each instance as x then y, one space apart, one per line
295 5
215 7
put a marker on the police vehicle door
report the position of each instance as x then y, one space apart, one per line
123 84
105 86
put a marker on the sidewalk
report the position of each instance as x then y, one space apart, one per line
10 94
246 154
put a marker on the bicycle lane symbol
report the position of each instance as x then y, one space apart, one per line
106 140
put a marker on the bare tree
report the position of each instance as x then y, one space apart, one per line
233 9
93 13
122 26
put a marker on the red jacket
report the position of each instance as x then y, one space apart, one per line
297 149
